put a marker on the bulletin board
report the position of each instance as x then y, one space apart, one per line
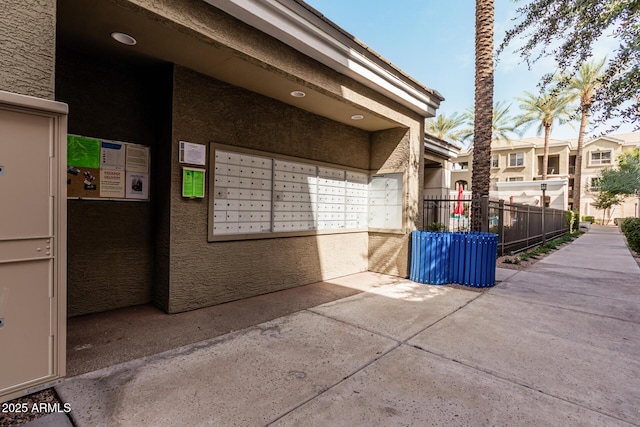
255 194
107 170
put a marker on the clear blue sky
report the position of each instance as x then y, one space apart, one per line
433 41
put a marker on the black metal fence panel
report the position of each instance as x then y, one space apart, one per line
518 226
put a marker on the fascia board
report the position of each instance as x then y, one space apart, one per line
282 23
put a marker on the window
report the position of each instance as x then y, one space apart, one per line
516 159
553 166
462 184
600 158
461 166
572 165
516 178
595 184
495 161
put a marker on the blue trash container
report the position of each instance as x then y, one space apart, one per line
467 259
429 257
473 259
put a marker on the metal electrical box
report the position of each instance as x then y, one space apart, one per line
33 230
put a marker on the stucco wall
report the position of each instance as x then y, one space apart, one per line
27 47
109 262
398 150
210 24
111 244
204 273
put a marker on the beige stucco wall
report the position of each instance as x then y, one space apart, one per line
206 110
27 47
113 258
203 273
589 171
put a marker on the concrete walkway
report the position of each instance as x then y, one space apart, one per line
557 344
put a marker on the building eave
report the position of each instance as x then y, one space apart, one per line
298 25
440 147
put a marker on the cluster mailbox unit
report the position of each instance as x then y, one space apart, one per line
33 137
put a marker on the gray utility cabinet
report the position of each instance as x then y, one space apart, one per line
33 230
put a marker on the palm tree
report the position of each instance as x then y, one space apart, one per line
446 128
502 125
544 110
482 128
583 85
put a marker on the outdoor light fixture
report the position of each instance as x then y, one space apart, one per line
357 117
298 94
543 186
124 38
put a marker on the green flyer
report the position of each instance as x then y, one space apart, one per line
187 183
198 183
193 182
83 152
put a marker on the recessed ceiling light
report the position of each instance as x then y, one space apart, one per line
357 117
124 38
298 94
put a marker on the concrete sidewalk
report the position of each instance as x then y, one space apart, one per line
556 344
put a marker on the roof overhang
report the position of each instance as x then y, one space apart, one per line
85 26
440 147
301 27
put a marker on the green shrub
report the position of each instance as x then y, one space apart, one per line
436 226
631 229
626 223
589 218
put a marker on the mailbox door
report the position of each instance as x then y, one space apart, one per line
28 313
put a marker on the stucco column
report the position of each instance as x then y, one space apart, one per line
398 150
27 47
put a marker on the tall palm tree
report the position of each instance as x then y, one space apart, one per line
583 85
502 124
482 128
544 110
446 128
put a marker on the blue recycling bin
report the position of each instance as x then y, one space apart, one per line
472 259
467 259
429 257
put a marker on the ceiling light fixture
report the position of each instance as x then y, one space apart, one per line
124 38
298 94
357 117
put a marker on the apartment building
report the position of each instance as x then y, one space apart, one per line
516 171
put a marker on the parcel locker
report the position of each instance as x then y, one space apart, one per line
33 155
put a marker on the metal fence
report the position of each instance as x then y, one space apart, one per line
519 227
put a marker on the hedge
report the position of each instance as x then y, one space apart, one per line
631 229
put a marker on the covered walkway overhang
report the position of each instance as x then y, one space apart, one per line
184 37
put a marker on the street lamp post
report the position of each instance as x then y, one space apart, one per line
543 187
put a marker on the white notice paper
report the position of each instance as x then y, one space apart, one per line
137 186
137 158
112 183
112 155
194 154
